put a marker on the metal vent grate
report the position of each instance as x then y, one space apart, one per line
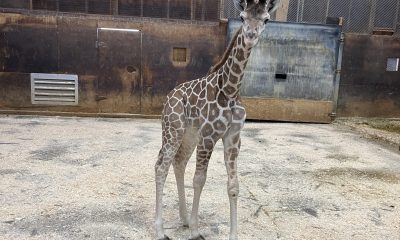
54 89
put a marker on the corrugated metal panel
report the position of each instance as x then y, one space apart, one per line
292 62
54 89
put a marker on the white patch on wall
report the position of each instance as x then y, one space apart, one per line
54 89
392 65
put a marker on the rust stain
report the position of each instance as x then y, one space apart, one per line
295 110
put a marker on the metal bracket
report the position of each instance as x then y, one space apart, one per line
100 44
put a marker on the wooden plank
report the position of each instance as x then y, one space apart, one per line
291 110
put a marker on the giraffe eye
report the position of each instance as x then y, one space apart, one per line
241 18
266 20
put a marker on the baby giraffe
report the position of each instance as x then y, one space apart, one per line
200 112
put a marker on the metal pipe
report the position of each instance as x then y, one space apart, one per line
119 29
337 76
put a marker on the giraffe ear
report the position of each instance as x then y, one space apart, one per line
240 4
272 6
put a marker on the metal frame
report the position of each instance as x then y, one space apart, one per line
132 30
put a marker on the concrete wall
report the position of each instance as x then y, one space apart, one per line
66 44
366 88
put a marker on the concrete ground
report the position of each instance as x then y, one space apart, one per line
86 178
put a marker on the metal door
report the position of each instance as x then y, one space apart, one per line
293 74
119 87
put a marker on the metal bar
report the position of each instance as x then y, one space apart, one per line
98 43
54 88
302 10
349 15
192 9
141 71
55 94
37 99
116 7
328 3
168 5
86 6
141 8
397 17
32 88
55 82
203 10
221 9
76 92
372 16
337 76
298 11
119 29
47 76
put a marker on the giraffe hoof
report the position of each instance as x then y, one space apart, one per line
165 238
198 238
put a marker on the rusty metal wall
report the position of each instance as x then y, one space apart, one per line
113 79
366 88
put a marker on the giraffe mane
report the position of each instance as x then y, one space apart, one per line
221 62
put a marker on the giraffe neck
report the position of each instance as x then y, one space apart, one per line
231 73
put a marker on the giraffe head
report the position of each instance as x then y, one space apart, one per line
255 14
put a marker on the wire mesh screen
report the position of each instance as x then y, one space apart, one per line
362 16
15 3
45 5
200 10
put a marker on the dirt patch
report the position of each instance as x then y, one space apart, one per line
359 174
94 222
386 131
384 124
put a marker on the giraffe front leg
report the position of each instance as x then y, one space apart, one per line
231 152
203 156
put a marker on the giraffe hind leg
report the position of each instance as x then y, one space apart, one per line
165 158
182 157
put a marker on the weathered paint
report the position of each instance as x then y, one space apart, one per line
292 63
366 88
122 76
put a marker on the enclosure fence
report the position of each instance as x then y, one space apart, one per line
199 10
360 16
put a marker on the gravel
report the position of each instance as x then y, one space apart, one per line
93 178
